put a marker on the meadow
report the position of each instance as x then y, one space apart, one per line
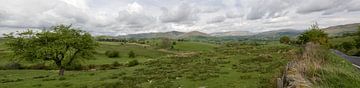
188 65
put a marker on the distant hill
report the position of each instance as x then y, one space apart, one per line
341 29
268 35
193 34
232 33
276 34
171 34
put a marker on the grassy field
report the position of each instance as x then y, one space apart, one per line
194 46
189 65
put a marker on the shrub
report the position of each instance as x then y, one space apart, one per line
315 35
347 46
13 65
112 53
115 64
132 54
106 67
285 40
38 66
132 63
76 66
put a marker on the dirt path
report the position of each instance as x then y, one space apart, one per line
352 59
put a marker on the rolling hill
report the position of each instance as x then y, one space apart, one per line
232 33
276 34
341 29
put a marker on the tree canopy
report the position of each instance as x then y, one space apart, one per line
61 44
315 35
285 40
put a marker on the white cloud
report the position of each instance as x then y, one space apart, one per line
119 17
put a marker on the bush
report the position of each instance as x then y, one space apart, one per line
75 66
347 46
13 65
132 63
112 53
132 54
315 35
39 66
106 67
285 40
115 64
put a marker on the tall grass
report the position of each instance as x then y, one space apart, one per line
326 70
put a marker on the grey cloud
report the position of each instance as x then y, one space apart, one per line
217 19
113 17
328 7
233 14
136 20
266 9
181 14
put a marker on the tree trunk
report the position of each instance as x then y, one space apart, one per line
61 71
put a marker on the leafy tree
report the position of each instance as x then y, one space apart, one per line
315 35
132 54
166 43
285 40
61 44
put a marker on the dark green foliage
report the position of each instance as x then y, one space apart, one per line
166 43
357 40
285 40
347 46
13 65
315 35
132 63
115 64
61 44
132 54
39 66
75 66
112 53
41 76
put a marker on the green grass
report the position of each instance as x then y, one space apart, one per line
338 41
194 46
221 67
338 73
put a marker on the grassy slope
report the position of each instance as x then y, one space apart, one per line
194 46
338 73
262 64
338 41
143 53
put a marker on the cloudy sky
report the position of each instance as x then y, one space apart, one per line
120 17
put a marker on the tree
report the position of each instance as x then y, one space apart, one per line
166 43
131 54
315 35
285 40
60 44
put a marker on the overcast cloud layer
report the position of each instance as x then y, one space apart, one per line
120 17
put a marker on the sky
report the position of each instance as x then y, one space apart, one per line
121 17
